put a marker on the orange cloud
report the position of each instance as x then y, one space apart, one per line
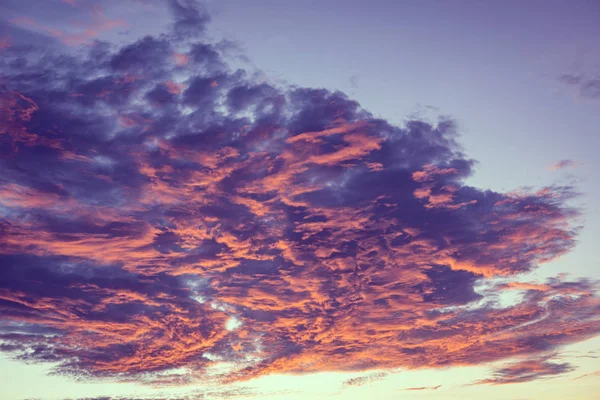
181 59
146 225
79 33
564 164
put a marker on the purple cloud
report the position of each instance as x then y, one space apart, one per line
363 380
527 371
588 87
563 164
160 210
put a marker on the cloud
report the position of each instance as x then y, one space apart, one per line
244 392
527 371
5 42
587 87
591 374
563 164
91 24
190 18
363 380
425 388
145 203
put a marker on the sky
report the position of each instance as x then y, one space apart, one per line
299 200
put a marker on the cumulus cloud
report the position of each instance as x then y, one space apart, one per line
150 195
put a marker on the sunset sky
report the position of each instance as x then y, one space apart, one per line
311 199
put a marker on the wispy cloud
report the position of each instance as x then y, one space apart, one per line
587 87
363 380
564 164
79 32
590 375
424 388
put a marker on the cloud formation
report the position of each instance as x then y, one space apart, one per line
161 211
243 392
425 388
363 380
564 164
77 33
527 371
587 87
590 375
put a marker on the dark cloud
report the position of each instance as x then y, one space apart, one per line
190 18
587 87
256 99
146 55
159 210
570 79
363 380
527 371
206 55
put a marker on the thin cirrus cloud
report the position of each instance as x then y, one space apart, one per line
77 32
424 388
363 380
243 392
586 86
590 375
564 164
146 203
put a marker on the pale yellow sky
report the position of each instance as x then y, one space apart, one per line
20 381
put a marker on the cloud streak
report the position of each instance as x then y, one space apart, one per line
424 388
564 164
587 87
366 379
527 371
159 210
78 32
